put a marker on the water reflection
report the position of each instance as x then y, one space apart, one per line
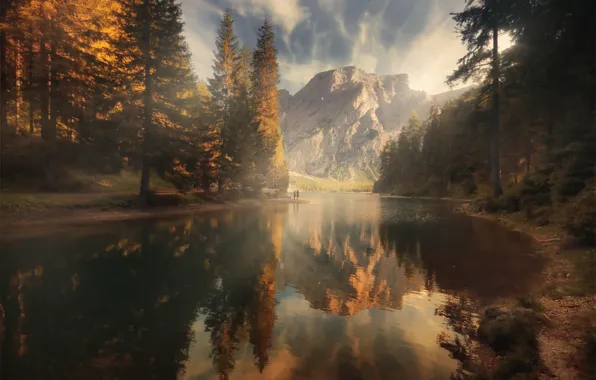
347 287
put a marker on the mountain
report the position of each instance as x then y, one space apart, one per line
338 123
448 96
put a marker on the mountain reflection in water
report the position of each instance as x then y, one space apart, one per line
346 287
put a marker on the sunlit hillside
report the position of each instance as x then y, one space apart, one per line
306 182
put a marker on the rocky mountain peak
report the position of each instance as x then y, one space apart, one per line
337 124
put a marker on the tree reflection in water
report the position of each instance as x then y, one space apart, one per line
241 305
121 304
117 305
472 261
131 300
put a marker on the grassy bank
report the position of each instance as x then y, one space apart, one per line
32 202
82 196
309 183
552 332
79 190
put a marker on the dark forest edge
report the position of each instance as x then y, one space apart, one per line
522 147
105 89
541 160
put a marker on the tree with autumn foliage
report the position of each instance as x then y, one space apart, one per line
57 84
156 79
224 93
230 111
265 77
96 86
248 134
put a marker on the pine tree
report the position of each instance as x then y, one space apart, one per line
207 138
265 78
5 11
242 119
223 89
156 81
479 26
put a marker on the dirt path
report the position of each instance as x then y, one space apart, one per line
562 340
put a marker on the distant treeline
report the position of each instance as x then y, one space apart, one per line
106 85
527 136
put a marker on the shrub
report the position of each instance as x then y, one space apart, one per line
534 191
510 200
468 187
578 216
512 335
506 331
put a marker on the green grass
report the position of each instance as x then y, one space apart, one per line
327 184
126 180
72 180
16 203
78 190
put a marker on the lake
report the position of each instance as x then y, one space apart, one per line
348 286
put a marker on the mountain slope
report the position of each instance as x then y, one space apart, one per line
448 96
338 123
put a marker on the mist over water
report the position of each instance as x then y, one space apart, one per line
348 286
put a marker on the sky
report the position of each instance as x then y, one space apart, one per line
416 37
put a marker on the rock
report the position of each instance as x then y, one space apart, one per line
337 125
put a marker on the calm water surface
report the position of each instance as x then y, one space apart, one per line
345 287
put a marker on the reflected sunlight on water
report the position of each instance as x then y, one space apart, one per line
348 286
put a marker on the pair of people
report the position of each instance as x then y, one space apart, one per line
296 194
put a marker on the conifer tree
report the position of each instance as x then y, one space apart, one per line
224 91
156 80
242 119
207 138
265 78
5 11
479 26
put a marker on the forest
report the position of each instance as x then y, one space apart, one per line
106 88
525 138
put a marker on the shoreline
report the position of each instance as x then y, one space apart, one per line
567 307
57 216
384 195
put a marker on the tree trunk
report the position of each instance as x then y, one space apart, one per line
593 75
494 140
3 79
52 130
44 90
18 75
30 82
147 144
145 188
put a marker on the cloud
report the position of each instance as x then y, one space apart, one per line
200 23
286 13
380 36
